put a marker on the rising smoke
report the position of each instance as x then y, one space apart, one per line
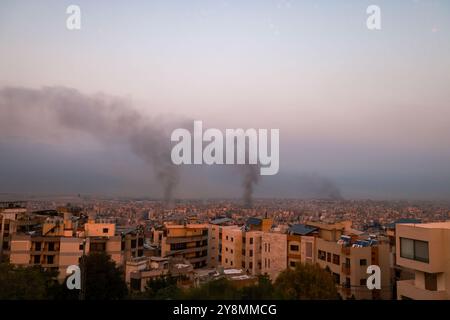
108 119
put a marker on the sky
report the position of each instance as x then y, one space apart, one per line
367 111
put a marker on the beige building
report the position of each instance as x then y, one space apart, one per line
424 248
187 241
61 245
274 253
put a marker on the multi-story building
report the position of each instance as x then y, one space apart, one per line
215 241
188 241
274 253
424 248
61 244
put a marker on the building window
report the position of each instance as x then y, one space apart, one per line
50 259
430 281
250 265
178 246
251 240
336 277
363 262
309 250
322 255
414 249
269 247
140 242
243 252
226 237
37 259
81 246
51 246
37 246
294 247
292 264
133 243
105 230
328 257
336 259
265 247
232 240
251 253
231 262
347 283
243 264
231 250
226 249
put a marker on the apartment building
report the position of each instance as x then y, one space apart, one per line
348 258
300 244
215 241
188 241
61 244
424 248
13 218
274 253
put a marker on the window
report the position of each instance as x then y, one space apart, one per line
430 281
250 265
50 259
231 250
251 253
105 230
362 282
243 252
232 239
414 249
226 249
231 262
294 247
363 262
328 257
322 255
140 242
37 259
133 243
226 237
81 246
347 282
336 259
243 264
309 250
292 264
337 278
226 260
269 247
37 246
178 246
265 247
51 246
251 240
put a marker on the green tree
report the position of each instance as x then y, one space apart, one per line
26 283
104 281
220 289
263 290
162 288
306 281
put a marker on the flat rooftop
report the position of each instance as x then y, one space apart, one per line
431 225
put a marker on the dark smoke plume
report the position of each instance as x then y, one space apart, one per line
250 179
108 119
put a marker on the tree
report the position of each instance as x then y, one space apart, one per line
162 288
307 281
263 290
104 281
220 289
26 283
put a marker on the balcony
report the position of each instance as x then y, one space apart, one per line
407 289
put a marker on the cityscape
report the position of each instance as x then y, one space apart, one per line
173 155
198 241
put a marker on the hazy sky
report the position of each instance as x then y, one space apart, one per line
369 110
